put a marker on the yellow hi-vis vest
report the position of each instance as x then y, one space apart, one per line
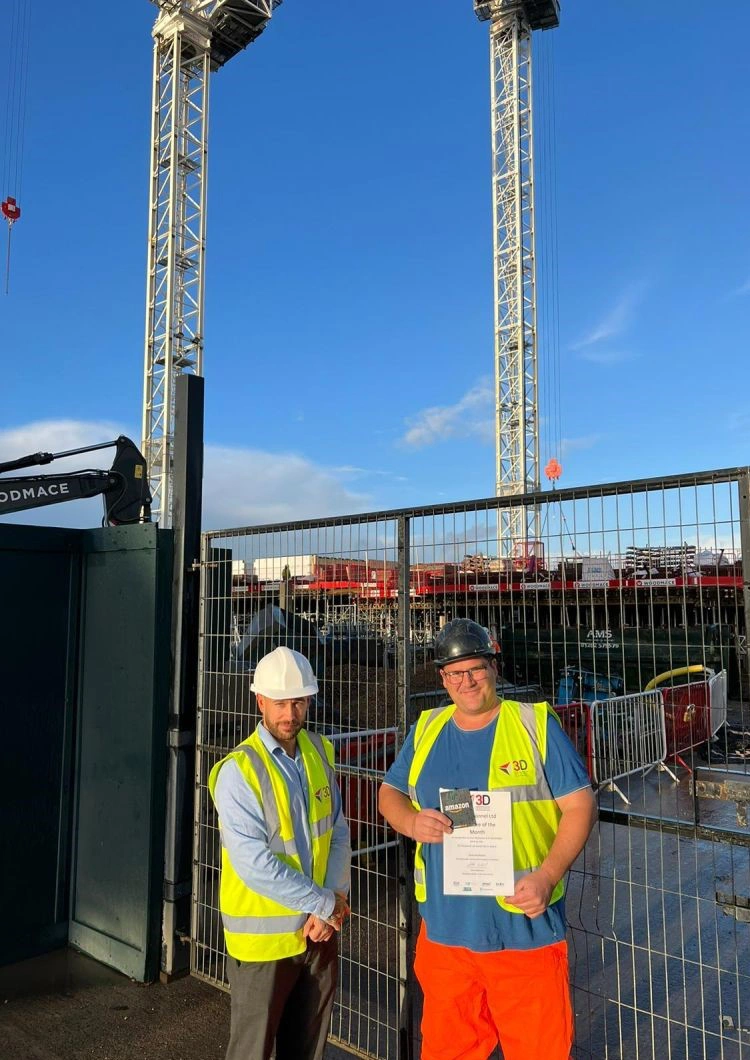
258 928
519 751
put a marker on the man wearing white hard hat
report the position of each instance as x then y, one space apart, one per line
285 861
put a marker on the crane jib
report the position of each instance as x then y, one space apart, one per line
19 494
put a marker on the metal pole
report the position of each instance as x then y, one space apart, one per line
187 505
7 263
744 496
406 909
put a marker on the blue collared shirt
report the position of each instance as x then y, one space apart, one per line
243 833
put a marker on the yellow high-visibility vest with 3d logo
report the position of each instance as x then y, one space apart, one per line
519 751
258 928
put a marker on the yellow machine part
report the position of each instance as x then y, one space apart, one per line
679 672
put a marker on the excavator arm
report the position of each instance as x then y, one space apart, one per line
124 488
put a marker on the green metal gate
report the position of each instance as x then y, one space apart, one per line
85 622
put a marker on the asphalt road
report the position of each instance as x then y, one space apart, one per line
65 1006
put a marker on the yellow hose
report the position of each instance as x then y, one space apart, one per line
676 673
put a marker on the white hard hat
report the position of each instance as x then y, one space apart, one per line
284 674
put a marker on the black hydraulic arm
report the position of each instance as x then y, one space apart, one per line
127 498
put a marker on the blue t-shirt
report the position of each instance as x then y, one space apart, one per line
460 759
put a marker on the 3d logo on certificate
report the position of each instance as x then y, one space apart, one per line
478 857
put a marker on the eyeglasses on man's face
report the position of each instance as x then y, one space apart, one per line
476 673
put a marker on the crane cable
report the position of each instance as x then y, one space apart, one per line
548 325
17 68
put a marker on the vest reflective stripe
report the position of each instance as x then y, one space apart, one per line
261 925
440 716
540 789
535 812
270 810
257 928
429 726
516 765
325 824
325 750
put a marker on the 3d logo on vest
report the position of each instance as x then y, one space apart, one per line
323 793
519 765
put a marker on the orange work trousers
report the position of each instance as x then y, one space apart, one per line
472 1001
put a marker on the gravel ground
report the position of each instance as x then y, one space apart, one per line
65 1006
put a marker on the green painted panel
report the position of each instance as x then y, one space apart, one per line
121 754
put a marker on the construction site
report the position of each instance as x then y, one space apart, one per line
625 605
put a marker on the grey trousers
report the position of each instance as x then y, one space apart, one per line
285 1003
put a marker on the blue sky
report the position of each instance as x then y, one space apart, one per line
349 288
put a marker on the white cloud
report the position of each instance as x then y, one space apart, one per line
241 486
57 436
469 417
614 322
245 487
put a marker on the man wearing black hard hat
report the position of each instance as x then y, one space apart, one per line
493 969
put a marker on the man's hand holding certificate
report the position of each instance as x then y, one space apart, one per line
478 856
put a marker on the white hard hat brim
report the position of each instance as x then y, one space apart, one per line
280 693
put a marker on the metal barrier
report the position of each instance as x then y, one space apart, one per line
627 737
686 718
717 695
612 585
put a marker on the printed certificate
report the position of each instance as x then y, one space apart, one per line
479 860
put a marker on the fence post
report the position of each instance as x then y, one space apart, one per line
744 492
406 910
187 507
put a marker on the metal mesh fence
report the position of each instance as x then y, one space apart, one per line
621 605
268 587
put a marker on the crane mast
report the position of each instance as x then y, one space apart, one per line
191 39
512 23
194 37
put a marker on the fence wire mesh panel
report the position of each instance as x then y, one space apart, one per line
626 607
266 587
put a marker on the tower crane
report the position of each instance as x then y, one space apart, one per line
192 38
511 24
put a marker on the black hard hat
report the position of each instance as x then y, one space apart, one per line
462 639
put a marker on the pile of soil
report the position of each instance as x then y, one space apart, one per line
360 697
